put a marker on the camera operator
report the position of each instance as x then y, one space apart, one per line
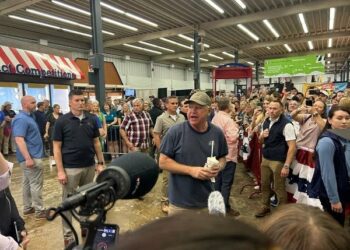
12 231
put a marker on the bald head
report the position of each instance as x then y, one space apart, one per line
28 103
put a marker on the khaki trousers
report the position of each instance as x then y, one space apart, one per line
271 178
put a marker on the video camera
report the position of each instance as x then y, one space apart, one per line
127 177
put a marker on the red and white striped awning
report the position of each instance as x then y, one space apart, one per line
31 63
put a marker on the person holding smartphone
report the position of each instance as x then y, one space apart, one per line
312 121
12 230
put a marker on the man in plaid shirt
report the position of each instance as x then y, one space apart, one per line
137 128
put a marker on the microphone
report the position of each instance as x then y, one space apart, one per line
216 204
130 176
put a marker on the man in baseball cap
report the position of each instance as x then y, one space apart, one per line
184 151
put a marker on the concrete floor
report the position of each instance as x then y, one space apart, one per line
128 214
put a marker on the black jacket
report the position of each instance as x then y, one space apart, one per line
9 214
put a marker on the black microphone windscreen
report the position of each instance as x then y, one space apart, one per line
141 175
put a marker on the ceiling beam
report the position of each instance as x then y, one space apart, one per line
9 6
275 13
323 51
281 41
257 16
271 43
149 36
189 54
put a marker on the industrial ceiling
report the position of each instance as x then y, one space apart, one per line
162 30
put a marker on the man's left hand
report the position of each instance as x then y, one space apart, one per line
99 168
284 172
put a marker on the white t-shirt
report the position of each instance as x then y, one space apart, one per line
7 243
288 131
5 179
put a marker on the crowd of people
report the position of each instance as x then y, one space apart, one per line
296 146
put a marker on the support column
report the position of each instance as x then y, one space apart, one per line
96 60
197 67
236 61
257 71
347 70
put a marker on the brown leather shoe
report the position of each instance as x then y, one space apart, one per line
232 212
30 211
41 215
263 212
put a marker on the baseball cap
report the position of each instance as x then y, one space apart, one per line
200 98
324 92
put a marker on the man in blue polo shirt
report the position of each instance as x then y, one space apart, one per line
30 154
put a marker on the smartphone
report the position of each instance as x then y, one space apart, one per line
106 237
314 91
308 102
289 86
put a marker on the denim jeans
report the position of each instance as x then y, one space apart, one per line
224 182
32 186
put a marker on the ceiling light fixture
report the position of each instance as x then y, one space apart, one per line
251 34
156 46
303 23
144 49
140 19
110 7
64 20
241 4
108 20
117 10
228 54
76 32
331 18
215 56
271 28
215 6
287 47
203 59
185 59
49 25
34 22
310 44
250 63
330 43
176 43
192 40
328 62
268 47
70 7
329 55
214 66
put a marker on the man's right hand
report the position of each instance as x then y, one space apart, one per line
265 133
62 177
202 173
130 146
29 163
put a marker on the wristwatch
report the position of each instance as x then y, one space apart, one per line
286 166
100 163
